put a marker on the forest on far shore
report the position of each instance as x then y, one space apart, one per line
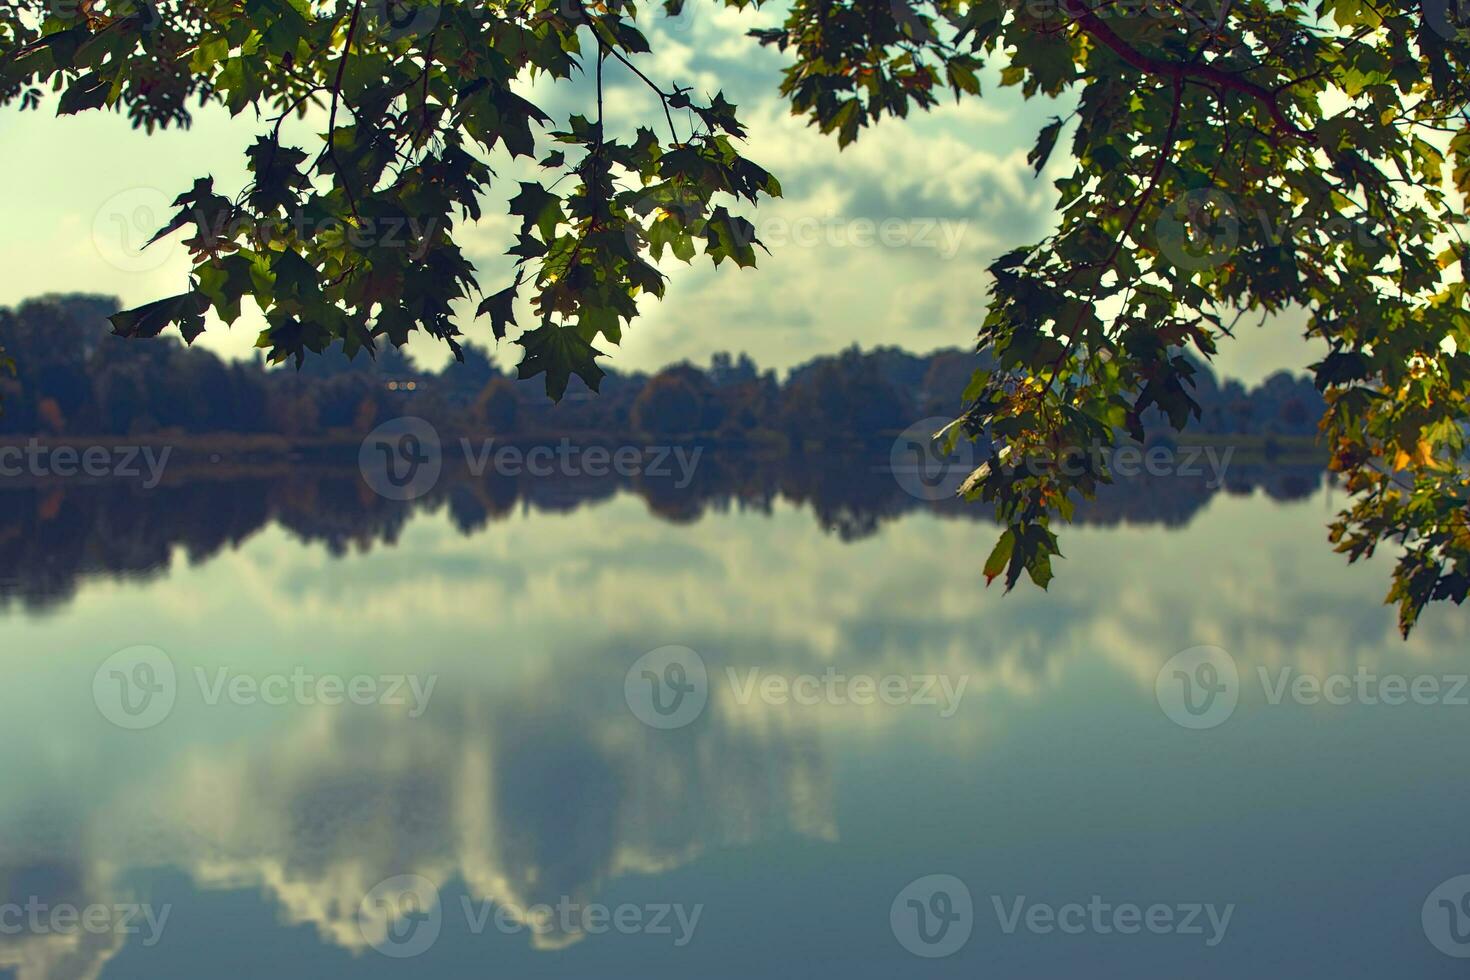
74 378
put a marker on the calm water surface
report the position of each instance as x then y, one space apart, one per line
760 839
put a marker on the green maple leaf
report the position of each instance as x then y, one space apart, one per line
559 352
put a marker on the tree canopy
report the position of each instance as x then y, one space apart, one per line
1229 159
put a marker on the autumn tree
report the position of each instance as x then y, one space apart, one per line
1226 160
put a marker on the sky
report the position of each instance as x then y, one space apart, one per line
883 243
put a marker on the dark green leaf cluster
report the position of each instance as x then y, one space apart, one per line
350 234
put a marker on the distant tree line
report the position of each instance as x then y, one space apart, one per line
73 377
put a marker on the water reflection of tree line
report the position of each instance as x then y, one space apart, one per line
54 534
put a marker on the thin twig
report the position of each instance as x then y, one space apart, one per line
336 93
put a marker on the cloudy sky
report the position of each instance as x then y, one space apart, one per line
948 191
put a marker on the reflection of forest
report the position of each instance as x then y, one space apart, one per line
53 534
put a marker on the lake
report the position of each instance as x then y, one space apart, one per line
772 723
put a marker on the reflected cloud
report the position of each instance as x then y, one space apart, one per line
529 781
72 953
534 799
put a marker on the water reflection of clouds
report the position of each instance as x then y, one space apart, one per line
75 954
1259 580
543 796
528 779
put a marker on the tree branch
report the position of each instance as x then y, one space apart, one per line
336 93
1179 71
